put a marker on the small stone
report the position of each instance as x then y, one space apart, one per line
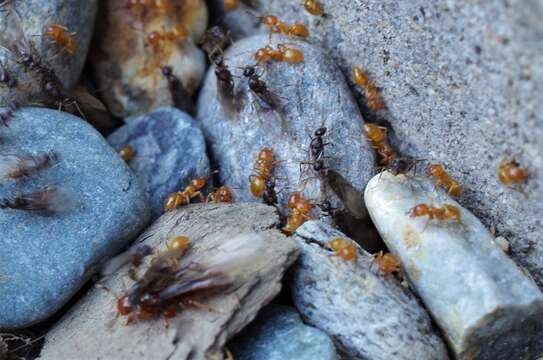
46 258
31 18
368 314
192 333
129 68
279 333
312 94
170 152
485 305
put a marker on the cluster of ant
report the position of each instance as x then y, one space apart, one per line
193 190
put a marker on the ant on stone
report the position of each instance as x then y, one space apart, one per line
225 86
180 96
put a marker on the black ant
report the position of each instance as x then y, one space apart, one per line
225 86
270 195
317 145
214 42
403 165
180 96
260 89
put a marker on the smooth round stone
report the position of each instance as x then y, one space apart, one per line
45 259
170 152
34 17
279 333
312 94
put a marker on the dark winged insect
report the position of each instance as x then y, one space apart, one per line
48 200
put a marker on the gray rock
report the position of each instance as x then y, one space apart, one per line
369 315
312 94
279 333
32 17
486 306
462 83
194 333
170 152
45 259
128 68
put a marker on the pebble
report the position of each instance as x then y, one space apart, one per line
312 94
170 152
485 305
279 333
46 258
127 67
368 314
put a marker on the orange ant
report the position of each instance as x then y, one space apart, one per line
284 53
179 198
262 172
300 212
344 249
222 194
512 174
442 178
387 263
61 36
313 7
157 39
373 99
158 5
446 212
277 26
377 136
127 153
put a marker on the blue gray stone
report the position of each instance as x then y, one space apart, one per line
279 333
44 260
170 151
32 17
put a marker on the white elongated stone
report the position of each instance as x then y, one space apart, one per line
486 306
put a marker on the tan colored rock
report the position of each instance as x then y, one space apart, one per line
128 68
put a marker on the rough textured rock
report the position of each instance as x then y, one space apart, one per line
46 258
486 306
312 94
279 333
369 315
170 152
128 67
32 18
91 330
463 83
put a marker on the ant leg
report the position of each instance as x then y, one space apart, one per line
200 195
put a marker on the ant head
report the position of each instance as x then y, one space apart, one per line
320 131
270 183
318 165
167 71
249 71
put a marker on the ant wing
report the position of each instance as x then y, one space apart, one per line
49 200
348 194
227 99
206 283
115 263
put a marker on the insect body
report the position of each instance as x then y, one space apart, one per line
127 153
222 194
443 179
387 262
214 40
313 7
511 173
300 209
446 212
17 166
373 98
158 39
225 86
261 180
61 36
179 198
260 88
345 249
377 136
283 53
47 200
